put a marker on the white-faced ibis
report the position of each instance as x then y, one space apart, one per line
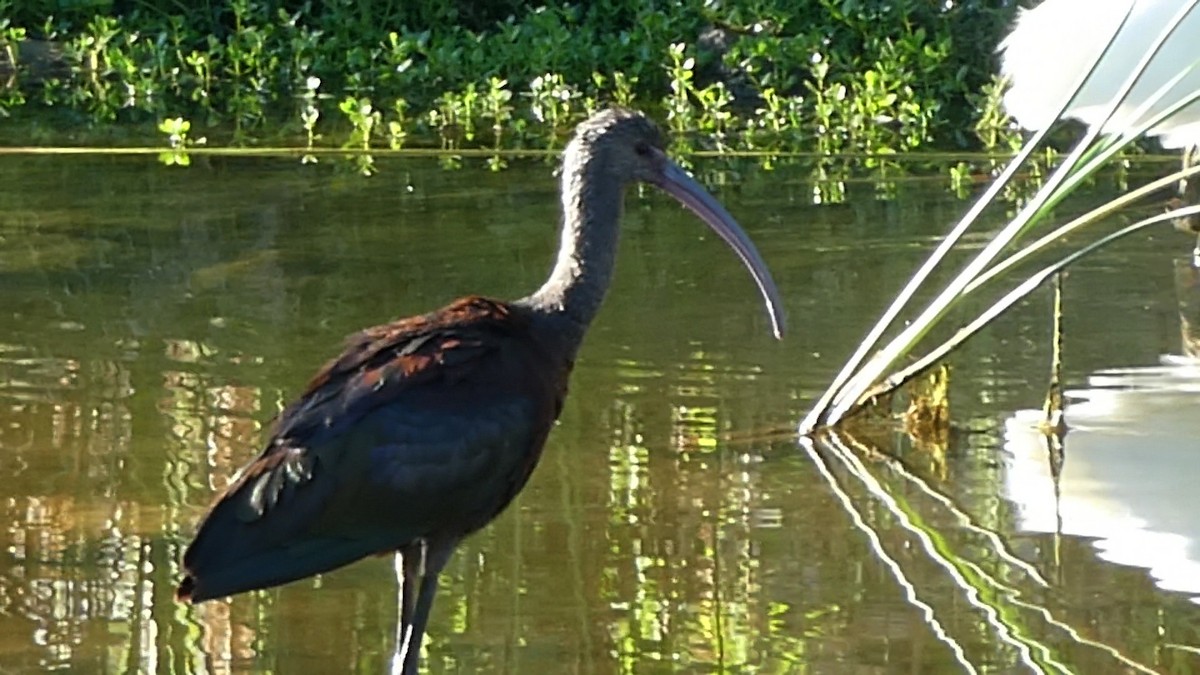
423 430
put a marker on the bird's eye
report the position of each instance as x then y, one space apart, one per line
642 149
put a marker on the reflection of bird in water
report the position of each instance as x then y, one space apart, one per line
1044 65
424 429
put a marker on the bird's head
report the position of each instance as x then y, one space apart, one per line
632 146
629 147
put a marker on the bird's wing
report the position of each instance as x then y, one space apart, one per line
428 426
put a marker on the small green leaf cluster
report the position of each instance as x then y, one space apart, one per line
830 76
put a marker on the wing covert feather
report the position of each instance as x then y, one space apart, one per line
425 424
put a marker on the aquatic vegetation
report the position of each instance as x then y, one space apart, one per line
994 127
309 114
11 38
747 74
364 118
498 109
397 126
176 130
1002 265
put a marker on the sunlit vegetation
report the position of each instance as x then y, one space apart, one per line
825 76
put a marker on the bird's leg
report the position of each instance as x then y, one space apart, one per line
406 581
410 564
431 558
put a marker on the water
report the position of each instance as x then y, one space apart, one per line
153 320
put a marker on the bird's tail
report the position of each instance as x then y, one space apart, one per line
272 567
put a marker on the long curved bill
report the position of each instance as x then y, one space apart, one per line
675 182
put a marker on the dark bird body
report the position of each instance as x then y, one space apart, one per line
423 430
430 425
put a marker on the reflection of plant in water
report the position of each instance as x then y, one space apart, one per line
85 553
309 114
828 183
214 421
1187 292
898 512
927 419
701 556
363 118
176 130
686 510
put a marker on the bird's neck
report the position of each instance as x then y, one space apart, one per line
592 200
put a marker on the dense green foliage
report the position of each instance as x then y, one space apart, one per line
820 75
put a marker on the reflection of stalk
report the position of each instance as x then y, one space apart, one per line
718 606
910 591
961 517
137 627
575 533
1189 338
998 602
515 612
977 584
1054 423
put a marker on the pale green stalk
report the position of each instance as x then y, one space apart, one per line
810 422
1095 163
1023 289
1106 209
813 419
847 390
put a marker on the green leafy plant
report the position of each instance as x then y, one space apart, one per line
176 130
551 101
309 114
499 111
364 118
10 42
397 126
887 77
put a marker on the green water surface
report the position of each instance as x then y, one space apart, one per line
153 320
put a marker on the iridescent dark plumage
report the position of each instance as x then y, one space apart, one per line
424 429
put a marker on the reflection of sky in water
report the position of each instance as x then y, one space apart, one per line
1131 477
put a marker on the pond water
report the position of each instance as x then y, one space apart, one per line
153 320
